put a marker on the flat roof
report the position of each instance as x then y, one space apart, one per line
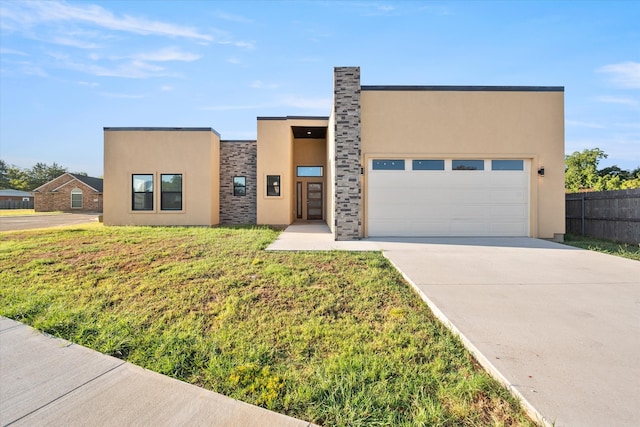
294 118
238 140
155 128
467 88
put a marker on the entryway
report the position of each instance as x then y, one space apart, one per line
310 202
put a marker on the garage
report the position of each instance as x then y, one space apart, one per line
413 197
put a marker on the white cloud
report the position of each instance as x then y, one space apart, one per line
168 54
89 84
4 51
234 18
584 124
166 88
621 100
56 11
234 61
121 95
66 41
624 74
259 84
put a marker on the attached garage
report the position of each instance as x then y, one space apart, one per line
409 197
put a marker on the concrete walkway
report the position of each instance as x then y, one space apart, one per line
559 326
49 381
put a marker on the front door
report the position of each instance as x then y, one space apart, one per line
314 200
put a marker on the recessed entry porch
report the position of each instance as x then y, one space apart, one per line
309 172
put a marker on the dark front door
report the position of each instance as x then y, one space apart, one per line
314 200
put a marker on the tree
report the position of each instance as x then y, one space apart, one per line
4 175
581 169
41 173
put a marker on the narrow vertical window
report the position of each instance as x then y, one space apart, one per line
76 198
273 185
171 192
239 186
142 195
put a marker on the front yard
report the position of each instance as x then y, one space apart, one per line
334 338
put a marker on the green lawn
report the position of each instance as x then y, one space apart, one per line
335 338
606 246
16 212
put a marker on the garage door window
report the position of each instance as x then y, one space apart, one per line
467 165
428 165
388 165
507 165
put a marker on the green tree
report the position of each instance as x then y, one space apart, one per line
41 173
581 169
4 175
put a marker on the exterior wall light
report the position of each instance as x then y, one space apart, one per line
541 171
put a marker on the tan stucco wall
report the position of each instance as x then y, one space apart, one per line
193 153
275 156
469 124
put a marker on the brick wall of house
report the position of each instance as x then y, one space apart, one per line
238 158
348 180
47 200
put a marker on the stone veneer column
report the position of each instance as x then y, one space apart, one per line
348 180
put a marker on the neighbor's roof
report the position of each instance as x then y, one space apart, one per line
15 193
95 183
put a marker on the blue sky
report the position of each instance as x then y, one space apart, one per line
68 69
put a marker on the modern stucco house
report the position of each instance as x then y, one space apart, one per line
386 161
70 192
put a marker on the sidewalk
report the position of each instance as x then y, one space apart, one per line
49 381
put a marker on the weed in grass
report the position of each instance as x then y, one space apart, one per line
335 338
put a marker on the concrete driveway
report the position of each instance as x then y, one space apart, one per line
27 222
559 326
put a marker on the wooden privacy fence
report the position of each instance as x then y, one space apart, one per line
613 215
16 204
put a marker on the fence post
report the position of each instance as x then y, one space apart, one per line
582 222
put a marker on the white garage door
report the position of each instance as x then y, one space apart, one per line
448 197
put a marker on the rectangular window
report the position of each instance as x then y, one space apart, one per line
76 198
142 196
171 192
507 165
467 165
388 165
428 165
239 186
273 185
310 171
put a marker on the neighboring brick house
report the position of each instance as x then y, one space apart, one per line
69 193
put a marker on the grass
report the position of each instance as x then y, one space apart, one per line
606 246
335 338
16 212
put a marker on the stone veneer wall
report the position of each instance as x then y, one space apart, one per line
237 158
348 179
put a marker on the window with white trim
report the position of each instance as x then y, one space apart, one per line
76 198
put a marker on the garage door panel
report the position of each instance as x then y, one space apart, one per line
448 203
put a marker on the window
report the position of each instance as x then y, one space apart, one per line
507 165
273 185
142 196
467 165
388 165
310 171
239 186
171 192
76 198
428 165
